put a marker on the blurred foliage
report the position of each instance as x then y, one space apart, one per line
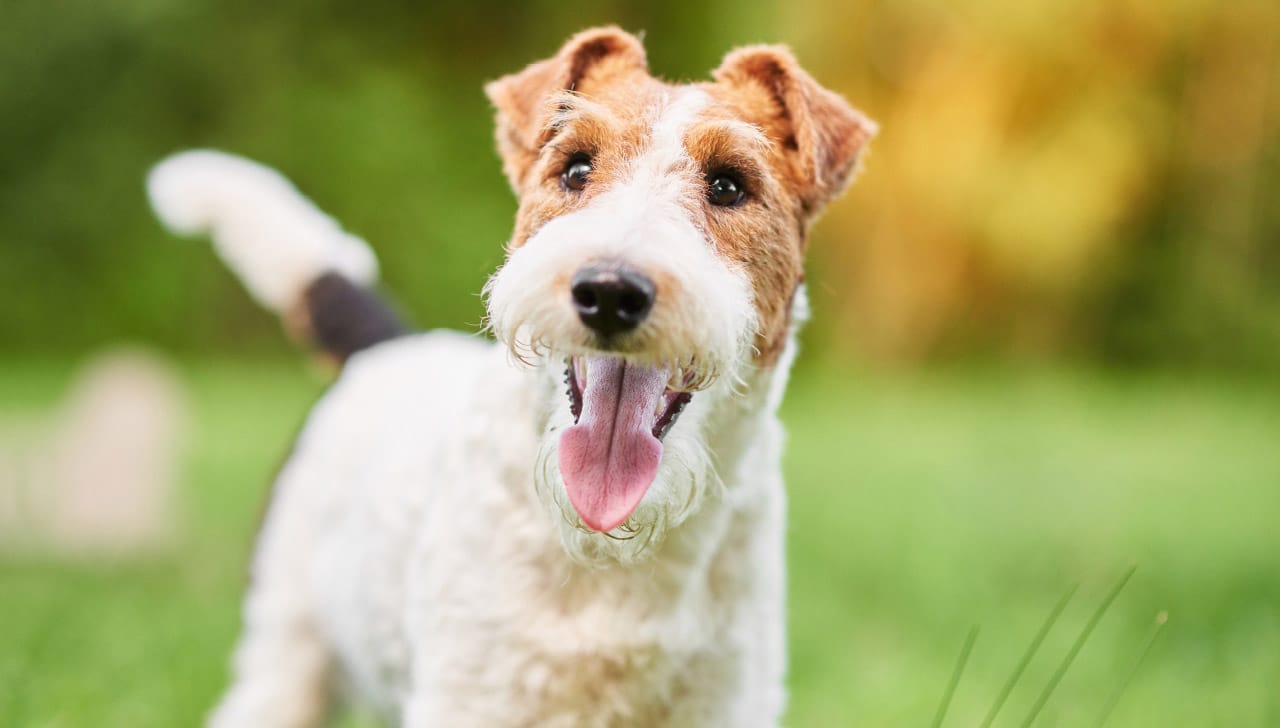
1088 179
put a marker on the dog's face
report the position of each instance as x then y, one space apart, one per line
658 249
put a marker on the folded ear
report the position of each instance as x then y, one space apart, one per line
822 132
521 98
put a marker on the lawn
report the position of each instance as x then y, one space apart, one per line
921 506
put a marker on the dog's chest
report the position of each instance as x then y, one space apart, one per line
523 650
537 658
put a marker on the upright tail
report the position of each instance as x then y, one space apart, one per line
294 259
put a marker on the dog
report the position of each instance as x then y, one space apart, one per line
582 522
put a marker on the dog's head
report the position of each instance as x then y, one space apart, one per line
657 255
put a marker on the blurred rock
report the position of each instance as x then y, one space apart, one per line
99 475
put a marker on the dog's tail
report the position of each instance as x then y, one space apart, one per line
294 259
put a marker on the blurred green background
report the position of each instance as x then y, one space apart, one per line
1044 348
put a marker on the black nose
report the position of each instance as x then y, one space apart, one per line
610 299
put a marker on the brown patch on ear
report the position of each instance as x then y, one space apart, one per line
819 129
521 99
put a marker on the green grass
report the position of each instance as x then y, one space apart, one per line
920 506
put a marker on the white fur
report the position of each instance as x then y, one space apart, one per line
262 227
420 547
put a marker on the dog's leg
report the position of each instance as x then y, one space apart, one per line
282 665
281 678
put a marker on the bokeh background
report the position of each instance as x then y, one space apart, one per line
1045 342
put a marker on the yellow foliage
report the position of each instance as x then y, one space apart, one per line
1019 142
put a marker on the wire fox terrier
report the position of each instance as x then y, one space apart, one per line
456 540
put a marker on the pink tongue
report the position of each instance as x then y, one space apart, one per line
609 459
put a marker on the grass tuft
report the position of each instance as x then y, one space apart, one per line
1076 647
1114 700
1028 655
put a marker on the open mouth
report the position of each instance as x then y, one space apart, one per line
666 411
610 456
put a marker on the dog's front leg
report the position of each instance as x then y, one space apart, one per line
281 680
282 667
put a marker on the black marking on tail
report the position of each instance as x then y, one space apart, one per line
344 318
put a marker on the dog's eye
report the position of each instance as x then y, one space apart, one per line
576 173
724 190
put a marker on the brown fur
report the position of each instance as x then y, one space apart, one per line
522 98
795 145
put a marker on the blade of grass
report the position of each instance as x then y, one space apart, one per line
955 676
1161 618
1027 656
1075 648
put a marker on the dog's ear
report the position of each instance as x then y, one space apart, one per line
521 99
821 132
